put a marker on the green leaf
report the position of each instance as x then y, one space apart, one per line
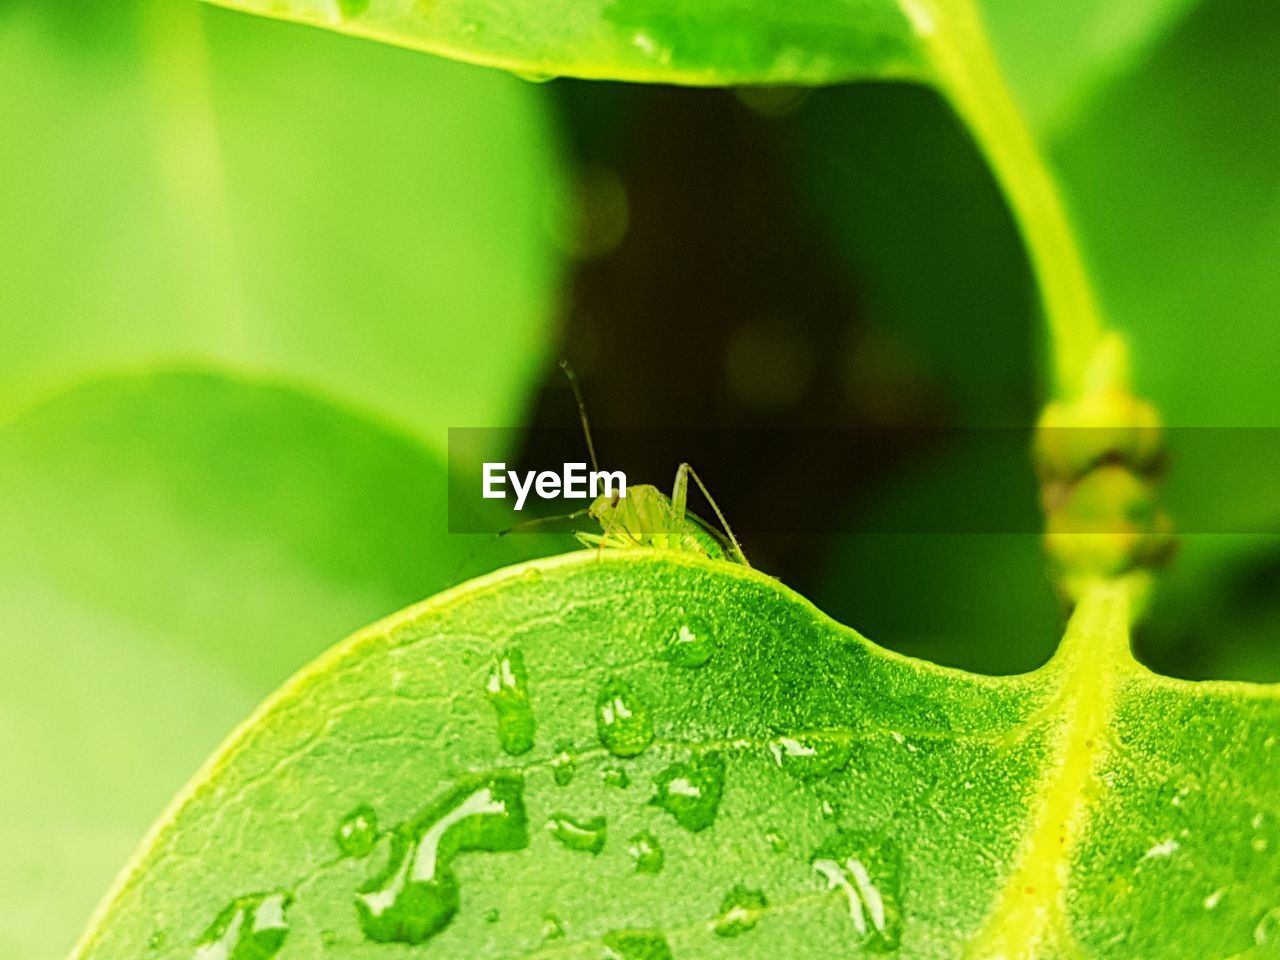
812 794
274 198
718 43
172 546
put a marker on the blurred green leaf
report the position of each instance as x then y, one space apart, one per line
172 545
1172 176
848 802
193 185
1059 56
196 184
715 43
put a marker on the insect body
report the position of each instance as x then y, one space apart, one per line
644 517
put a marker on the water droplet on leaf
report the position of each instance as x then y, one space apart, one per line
691 791
508 691
586 835
1268 929
417 894
740 912
358 832
777 843
252 927
636 945
623 724
866 871
812 755
564 764
646 852
552 927
616 777
690 644
492 915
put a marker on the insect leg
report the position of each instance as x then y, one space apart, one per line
679 499
610 524
680 494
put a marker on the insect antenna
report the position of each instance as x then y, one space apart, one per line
525 526
528 526
582 411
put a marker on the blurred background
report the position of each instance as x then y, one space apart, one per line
252 272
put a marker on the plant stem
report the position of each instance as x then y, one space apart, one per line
1086 358
972 80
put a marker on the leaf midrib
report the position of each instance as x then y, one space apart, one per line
1029 910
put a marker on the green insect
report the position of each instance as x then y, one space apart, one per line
645 517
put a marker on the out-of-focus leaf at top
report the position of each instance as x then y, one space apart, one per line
172 546
197 184
715 42
941 43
